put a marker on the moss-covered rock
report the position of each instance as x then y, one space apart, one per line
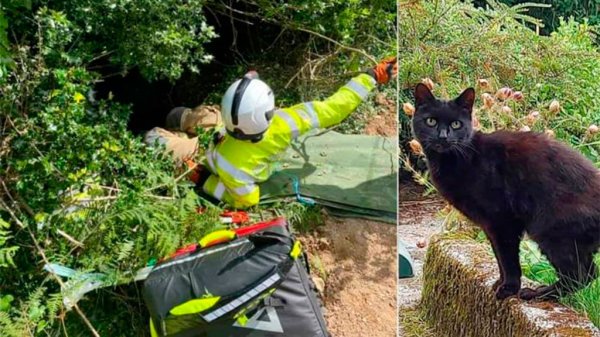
458 300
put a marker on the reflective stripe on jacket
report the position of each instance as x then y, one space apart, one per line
237 166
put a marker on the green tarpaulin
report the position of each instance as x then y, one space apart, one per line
350 174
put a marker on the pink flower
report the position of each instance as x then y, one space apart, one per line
488 100
504 93
408 108
517 96
428 82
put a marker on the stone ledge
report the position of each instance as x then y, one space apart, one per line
458 300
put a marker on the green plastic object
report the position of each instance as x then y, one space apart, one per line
352 175
405 263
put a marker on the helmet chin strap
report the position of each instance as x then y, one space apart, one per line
239 134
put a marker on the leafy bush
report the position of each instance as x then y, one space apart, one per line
78 189
456 44
170 39
580 10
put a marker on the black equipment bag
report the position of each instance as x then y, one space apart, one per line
249 282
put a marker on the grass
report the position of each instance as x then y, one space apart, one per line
413 324
301 218
536 267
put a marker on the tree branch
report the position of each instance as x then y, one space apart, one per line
306 30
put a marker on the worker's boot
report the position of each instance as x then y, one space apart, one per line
204 116
174 118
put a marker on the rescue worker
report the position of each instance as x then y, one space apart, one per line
179 135
245 150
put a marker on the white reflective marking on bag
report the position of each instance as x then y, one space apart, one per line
358 88
310 108
290 122
254 322
242 299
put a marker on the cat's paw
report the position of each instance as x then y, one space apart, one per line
507 290
542 293
528 294
497 284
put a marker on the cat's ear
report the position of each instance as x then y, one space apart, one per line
423 95
466 99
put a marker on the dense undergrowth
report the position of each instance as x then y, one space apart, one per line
456 44
551 16
524 80
78 189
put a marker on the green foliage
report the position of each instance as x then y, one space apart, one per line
170 40
359 23
302 218
323 44
456 44
31 317
78 189
4 44
205 137
536 267
6 252
551 16
76 185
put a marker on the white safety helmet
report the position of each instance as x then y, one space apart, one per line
248 107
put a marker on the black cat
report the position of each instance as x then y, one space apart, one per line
511 183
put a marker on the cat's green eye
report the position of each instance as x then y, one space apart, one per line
455 125
430 121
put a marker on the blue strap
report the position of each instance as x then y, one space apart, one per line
296 187
67 272
301 199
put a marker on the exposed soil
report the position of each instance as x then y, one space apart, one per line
384 123
354 263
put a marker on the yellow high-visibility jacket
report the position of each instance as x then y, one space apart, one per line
237 166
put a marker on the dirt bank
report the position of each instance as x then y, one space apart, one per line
384 123
354 263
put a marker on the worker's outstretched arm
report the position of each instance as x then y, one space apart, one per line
333 110
234 193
